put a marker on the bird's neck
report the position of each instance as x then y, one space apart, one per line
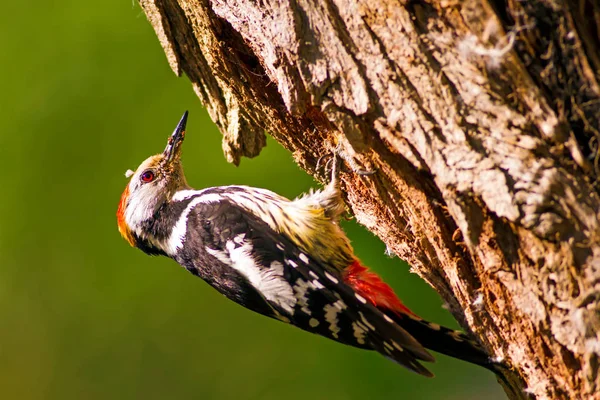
153 234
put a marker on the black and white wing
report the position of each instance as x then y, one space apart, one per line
247 261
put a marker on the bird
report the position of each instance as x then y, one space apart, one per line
285 259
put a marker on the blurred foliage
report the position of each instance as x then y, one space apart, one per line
86 94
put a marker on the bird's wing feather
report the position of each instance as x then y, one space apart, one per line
294 284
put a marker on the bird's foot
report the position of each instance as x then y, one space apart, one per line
333 163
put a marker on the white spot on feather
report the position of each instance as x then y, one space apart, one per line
317 284
397 346
303 258
360 298
366 321
331 312
331 277
277 267
313 322
361 325
301 289
359 332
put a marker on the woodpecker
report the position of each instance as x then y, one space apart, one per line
285 259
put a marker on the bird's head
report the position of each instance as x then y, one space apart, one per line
151 186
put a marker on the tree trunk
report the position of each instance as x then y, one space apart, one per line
481 120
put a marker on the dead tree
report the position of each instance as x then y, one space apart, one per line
482 122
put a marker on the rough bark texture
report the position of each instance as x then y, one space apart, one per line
481 120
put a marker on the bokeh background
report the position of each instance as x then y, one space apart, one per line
86 93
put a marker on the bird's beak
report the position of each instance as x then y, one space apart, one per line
174 145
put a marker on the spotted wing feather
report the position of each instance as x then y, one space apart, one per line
295 286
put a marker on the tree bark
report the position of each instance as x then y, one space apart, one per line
481 120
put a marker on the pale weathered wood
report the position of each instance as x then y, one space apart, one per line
481 120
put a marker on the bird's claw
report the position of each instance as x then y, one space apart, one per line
336 156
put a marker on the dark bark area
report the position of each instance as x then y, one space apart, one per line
482 122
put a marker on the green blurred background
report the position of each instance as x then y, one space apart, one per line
86 94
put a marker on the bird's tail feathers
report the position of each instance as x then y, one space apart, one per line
444 340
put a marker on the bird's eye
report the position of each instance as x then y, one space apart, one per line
147 176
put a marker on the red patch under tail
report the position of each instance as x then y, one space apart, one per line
370 286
